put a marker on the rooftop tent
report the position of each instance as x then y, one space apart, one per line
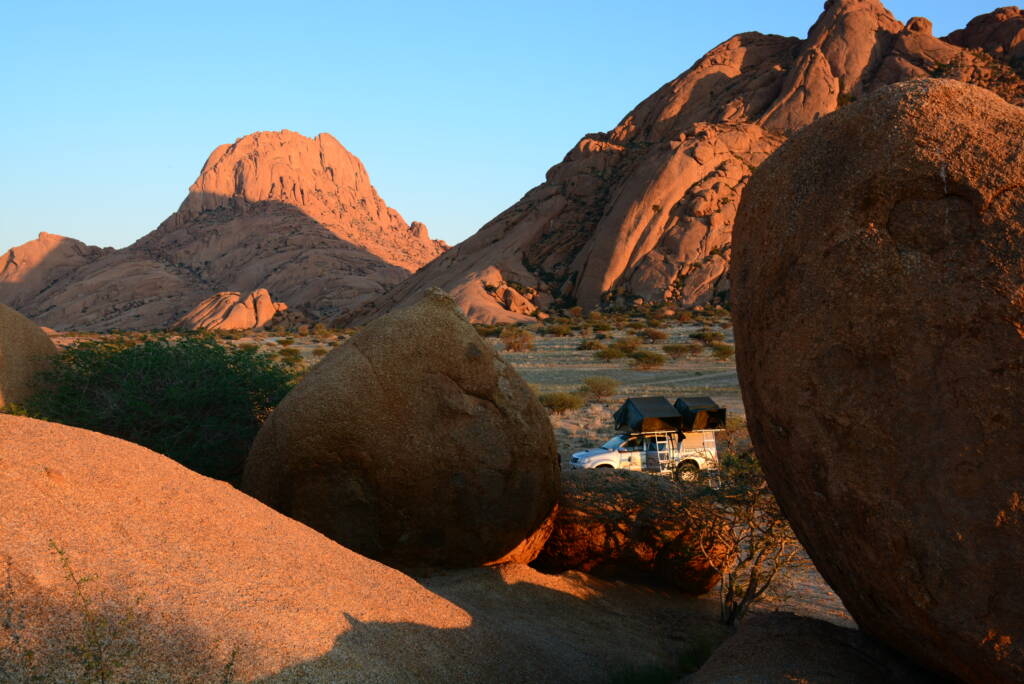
647 414
700 413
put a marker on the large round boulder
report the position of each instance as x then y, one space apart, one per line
628 525
878 284
24 351
415 444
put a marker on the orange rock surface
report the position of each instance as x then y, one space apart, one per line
232 311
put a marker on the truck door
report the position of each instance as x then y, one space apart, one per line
656 450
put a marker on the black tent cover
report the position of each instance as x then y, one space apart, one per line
648 414
700 413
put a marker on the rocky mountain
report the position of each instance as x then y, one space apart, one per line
646 210
274 210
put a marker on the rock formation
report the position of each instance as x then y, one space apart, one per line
32 268
232 311
999 33
646 210
294 215
415 444
211 567
878 270
625 525
25 350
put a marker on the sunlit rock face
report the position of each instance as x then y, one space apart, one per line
186 568
646 210
275 210
878 272
232 311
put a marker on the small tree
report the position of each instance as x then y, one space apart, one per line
600 386
517 339
740 530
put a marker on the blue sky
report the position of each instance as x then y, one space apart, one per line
455 108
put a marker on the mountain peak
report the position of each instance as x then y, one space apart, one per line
280 166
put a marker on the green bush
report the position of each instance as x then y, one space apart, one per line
590 345
654 335
647 360
722 351
517 339
560 402
191 399
610 354
628 344
599 386
708 336
678 351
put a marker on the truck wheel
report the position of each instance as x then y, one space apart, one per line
687 471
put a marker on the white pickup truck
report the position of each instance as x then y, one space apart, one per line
662 439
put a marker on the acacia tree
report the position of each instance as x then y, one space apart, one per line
740 531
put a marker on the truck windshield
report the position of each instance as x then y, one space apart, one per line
615 442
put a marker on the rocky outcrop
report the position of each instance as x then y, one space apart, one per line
625 525
25 350
415 444
232 311
274 210
999 33
186 567
878 270
780 648
646 210
30 269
